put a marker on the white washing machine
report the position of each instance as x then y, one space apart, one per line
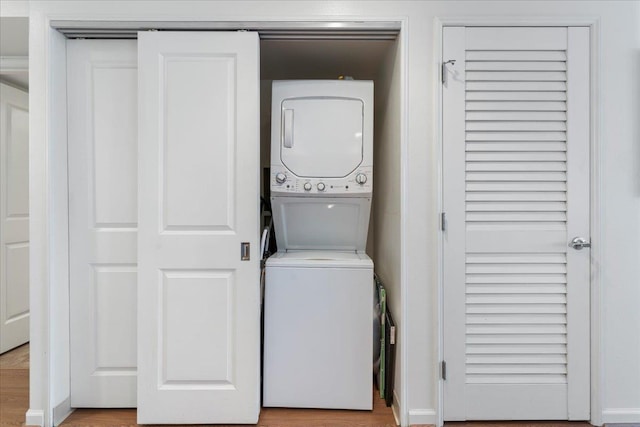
318 338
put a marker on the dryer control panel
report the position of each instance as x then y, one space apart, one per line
360 182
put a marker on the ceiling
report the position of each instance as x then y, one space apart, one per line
14 42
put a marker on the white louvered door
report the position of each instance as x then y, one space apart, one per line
516 191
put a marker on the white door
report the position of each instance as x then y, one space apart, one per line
338 124
103 217
14 217
516 192
198 302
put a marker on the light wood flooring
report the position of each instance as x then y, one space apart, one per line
14 401
14 386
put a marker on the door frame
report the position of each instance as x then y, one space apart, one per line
49 398
595 190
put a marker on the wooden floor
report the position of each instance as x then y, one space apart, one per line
381 416
14 401
14 386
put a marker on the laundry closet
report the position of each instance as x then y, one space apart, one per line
164 226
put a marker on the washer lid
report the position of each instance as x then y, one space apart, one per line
321 223
319 259
322 136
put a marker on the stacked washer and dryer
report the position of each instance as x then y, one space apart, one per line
318 340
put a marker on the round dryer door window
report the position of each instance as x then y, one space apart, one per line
321 137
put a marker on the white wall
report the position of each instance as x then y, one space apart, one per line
386 222
618 131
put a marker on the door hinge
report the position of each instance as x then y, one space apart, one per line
443 370
443 221
444 69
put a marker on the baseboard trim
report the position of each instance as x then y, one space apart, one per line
395 408
34 417
422 417
62 411
621 415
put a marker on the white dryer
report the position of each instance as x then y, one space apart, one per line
318 339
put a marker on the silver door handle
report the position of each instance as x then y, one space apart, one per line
288 128
579 242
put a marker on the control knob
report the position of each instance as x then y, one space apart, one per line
280 178
307 186
321 186
361 178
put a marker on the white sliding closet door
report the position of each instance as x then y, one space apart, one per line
14 217
198 302
516 192
103 217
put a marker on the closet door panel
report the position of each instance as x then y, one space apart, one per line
103 217
14 217
198 296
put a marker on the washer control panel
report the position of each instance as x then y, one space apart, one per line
359 181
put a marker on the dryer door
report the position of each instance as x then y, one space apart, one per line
321 136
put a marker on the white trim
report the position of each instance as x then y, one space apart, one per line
403 404
437 138
14 64
597 415
621 415
422 416
34 417
395 409
43 43
62 411
597 367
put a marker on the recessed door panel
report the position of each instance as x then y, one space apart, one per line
197 325
198 138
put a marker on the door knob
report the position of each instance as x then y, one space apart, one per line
579 242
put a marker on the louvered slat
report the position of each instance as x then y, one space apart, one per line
516 66
512 196
516 105
515 339
516 86
516 156
520 308
516 55
517 379
502 116
516 136
517 359
517 349
516 96
513 288
514 206
513 75
515 319
516 166
517 186
516 146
